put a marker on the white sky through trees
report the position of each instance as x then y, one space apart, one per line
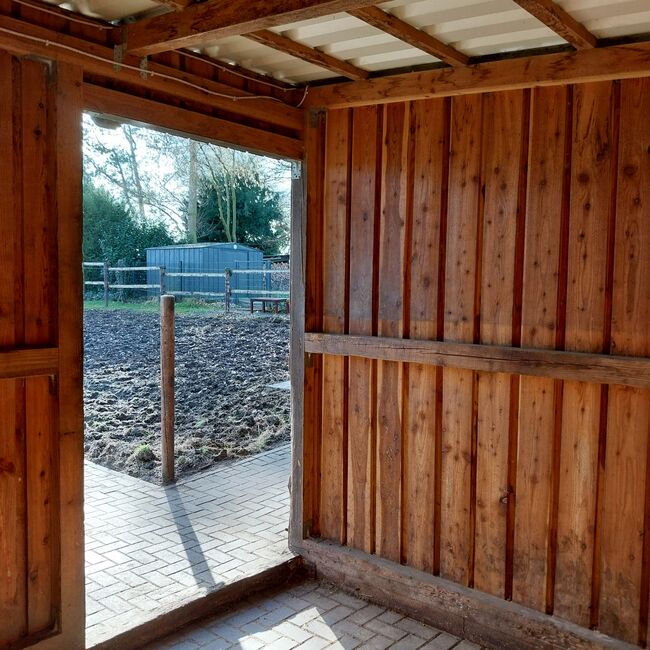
157 189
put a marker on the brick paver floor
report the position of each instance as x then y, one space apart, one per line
311 616
149 548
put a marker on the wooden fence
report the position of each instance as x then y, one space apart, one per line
163 275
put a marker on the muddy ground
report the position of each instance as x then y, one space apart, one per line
224 406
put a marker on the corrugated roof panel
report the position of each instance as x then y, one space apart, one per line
611 18
475 27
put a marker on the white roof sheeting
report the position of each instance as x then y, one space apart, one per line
474 27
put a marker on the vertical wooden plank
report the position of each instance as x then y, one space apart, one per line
335 219
458 425
66 108
542 280
13 566
591 198
41 502
429 130
297 353
365 164
628 424
39 228
502 144
314 153
390 323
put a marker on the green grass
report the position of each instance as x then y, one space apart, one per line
182 306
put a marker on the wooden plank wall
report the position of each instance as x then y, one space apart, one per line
41 447
519 219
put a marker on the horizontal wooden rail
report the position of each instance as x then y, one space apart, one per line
575 366
15 364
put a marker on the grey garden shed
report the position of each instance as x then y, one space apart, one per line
208 257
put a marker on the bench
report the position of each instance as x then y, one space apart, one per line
274 303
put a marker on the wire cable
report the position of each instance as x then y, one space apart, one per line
146 73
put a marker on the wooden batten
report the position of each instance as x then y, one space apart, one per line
576 366
598 64
145 112
475 616
24 38
201 23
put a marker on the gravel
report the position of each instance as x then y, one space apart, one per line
224 406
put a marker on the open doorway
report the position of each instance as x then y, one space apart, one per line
164 215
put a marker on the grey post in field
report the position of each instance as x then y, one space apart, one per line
167 386
105 278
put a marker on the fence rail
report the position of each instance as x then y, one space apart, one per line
163 274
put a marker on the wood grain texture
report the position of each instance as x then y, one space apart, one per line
502 144
560 21
390 323
364 212
541 291
404 31
591 198
430 129
628 425
459 386
202 23
312 421
145 112
335 238
309 54
65 113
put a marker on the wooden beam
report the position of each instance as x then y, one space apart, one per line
412 35
573 366
486 620
300 51
561 22
28 363
23 38
146 112
598 64
209 21
176 5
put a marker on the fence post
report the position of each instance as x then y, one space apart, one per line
105 284
162 280
226 287
167 372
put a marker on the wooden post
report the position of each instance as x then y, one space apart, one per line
228 275
167 363
161 269
105 284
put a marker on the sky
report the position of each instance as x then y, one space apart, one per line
165 176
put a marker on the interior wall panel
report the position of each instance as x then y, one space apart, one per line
513 219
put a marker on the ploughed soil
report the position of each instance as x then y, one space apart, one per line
224 405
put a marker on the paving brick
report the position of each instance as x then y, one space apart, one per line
150 546
443 641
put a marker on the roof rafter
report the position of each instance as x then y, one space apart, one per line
301 51
217 19
561 22
409 34
176 5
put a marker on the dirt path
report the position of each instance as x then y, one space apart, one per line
224 407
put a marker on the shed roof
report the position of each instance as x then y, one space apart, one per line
229 245
476 28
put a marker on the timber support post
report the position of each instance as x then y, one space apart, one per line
105 278
167 372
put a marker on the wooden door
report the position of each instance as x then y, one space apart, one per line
41 407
